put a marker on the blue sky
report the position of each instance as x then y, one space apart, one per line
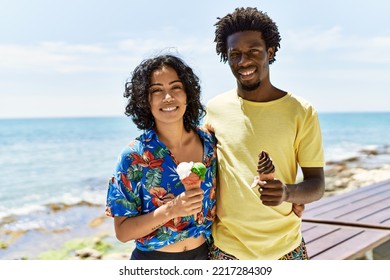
72 58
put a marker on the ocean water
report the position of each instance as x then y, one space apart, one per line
58 160
69 160
345 135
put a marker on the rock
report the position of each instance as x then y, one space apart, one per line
336 169
97 221
88 253
370 151
3 245
116 256
55 207
350 178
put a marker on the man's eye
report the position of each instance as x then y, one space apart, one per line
233 55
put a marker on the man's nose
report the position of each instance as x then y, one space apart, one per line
244 59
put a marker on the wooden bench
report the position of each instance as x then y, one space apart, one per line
367 206
338 242
349 225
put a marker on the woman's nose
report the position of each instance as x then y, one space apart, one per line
168 97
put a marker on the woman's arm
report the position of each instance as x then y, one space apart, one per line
131 228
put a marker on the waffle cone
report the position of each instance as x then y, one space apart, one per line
192 181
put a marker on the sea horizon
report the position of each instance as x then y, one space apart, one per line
124 116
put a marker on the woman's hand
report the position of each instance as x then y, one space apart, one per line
187 203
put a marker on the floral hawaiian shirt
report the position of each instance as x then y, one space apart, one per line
146 173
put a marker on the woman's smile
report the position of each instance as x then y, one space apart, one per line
169 109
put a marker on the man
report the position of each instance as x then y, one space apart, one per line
256 116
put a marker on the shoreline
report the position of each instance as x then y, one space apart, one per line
94 239
90 235
371 166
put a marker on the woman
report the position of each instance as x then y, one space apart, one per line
145 196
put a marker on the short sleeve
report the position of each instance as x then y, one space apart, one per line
309 141
123 187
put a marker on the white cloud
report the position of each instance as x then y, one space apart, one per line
47 56
28 57
139 45
314 39
61 105
373 50
63 57
180 45
334 43
63 47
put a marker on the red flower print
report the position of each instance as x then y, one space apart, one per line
212 193
147 160
126 182
176 224
145 239
200 218
158 194
211 213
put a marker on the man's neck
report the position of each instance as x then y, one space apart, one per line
261 94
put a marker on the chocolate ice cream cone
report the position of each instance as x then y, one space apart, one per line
265 167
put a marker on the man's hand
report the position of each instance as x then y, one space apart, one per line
272 192
298 209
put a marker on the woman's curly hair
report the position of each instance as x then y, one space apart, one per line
137 92
246 19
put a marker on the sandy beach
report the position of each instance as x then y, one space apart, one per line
94 237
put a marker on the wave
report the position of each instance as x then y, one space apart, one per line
346 151
50 216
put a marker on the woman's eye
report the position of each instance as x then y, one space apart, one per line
154 90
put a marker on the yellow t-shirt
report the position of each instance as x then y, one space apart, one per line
289 130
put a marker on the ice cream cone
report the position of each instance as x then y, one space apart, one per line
191 174
192 181
265 167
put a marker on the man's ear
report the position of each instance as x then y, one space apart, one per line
271 53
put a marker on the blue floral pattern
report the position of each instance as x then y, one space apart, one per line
145 174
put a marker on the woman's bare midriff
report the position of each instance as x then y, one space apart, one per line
185 245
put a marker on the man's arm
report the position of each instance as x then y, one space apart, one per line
312 187
273 193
